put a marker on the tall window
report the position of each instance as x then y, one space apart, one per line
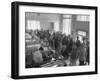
67 24
33 24
56 26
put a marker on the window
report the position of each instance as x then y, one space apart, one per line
33 24
82 18
67 24
56 26
83 33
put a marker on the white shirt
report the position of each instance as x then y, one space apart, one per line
37 57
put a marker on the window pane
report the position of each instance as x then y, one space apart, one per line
67 26
82 18
56 26
33 24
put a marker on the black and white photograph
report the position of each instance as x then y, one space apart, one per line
51 40
56 40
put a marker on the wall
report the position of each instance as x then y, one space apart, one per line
45 19
80 25
5 40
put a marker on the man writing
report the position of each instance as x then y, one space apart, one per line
37 58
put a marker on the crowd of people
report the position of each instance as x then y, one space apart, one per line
58 46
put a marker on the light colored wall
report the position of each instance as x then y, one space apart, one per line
45 19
